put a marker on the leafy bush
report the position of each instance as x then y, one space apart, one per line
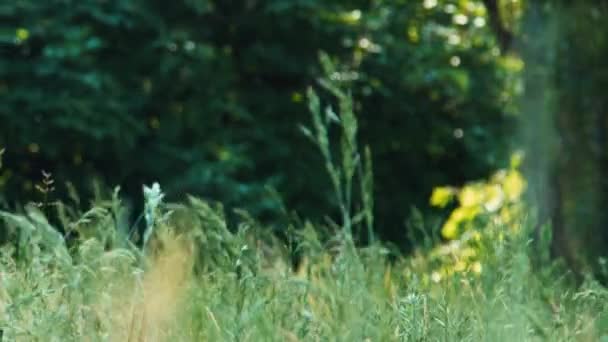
204 97
497 200
486 211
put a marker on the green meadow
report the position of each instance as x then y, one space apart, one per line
303 170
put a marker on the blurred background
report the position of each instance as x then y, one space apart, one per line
206 97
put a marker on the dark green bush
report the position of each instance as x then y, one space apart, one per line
206 97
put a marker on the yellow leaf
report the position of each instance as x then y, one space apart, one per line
441 196
22 34
470 196
494 198
514 185
516 159
464 214
450 230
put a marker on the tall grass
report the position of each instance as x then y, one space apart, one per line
197 279
200 282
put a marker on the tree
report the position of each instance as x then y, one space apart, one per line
564 46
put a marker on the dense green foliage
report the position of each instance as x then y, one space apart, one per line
206 97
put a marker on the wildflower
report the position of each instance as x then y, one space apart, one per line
153 197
